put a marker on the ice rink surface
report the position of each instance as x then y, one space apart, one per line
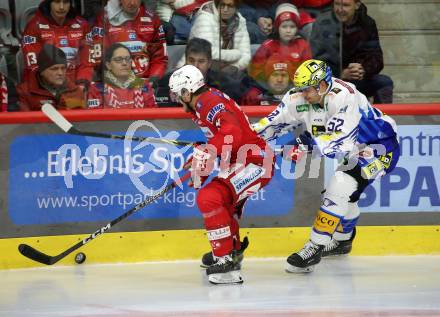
341 286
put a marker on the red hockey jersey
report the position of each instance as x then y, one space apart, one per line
69 37
144 37
219 116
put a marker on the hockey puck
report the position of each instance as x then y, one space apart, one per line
80 258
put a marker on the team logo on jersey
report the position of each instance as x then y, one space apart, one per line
132 36
216 109
302 108
43 26
27 39
145 19
63 42
75 26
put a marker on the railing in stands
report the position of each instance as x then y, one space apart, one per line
178 113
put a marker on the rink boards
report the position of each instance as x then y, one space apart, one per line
58 188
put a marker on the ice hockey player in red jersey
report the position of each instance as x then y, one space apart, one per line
245 166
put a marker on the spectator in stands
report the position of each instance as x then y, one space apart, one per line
361 59
277 72
198 52
259 21
139 29
57 23
120 88
180 14
284 42
219 22
50 84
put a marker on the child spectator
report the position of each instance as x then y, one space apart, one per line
277 72
121 88
285 42
219 22
50 84
57 23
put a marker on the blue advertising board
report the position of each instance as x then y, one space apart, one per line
61 178
413 186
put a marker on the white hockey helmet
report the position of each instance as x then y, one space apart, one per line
187 78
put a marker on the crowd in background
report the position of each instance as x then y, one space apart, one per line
114 54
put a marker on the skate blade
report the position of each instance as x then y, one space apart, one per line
233 277
295 269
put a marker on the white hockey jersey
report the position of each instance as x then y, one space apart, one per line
346 120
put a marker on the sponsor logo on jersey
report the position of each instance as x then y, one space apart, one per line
317 107
216 109
63 42
219 233
325 222
71 52
97 31
113 29
145 19
43 26
93 103
75 35
146 29
47 35
295 55
199 105
336 90
318 129
246 177
75 26
27 39
134 46
132 36
302 108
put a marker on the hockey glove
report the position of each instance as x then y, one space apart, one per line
300 146
201 164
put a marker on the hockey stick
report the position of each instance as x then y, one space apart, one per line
41 257
68 127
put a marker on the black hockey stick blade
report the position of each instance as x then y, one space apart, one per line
35 255
56 117
38 256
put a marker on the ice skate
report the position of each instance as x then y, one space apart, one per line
305 260
209 259
336 247
226 270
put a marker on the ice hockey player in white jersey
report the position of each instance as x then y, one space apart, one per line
341 124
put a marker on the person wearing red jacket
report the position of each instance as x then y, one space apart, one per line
285 43
50 84
55 22
121 88
246 165
128 22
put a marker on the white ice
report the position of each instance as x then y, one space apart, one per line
342 286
